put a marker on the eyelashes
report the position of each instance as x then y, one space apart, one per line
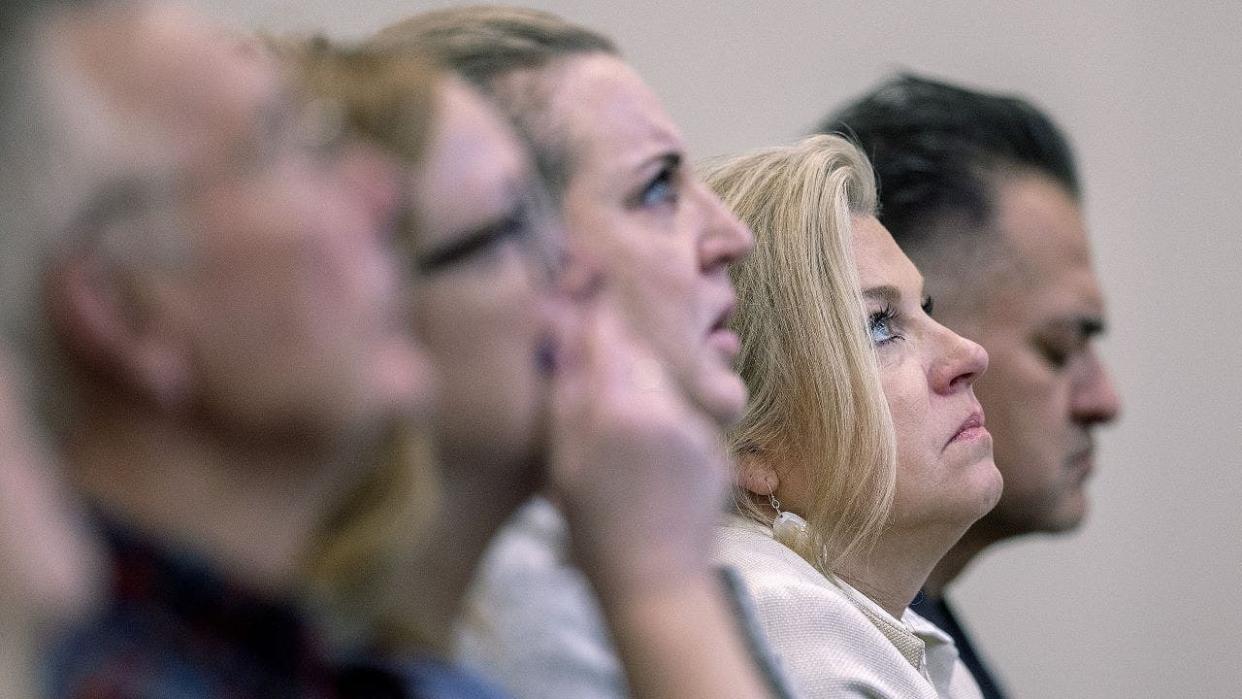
660 189
882 325
664 188
475 244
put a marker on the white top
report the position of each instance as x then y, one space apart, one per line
531 622
533 626
830 639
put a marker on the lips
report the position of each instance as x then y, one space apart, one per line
723 338
722 320
1082 462
971 429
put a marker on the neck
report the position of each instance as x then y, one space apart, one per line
955 561
246 508
893 571
476 503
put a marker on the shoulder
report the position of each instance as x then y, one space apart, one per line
819 638
768 568
531 619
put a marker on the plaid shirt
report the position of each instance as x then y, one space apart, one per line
175 629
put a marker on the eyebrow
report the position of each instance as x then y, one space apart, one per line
887 294
1084 326
670 160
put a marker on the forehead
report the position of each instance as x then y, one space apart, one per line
176 73
612 119
880 261
1043 231
474 169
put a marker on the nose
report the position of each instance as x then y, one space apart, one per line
960 363
1094 398
726 239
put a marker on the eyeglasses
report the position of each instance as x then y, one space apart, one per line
128 210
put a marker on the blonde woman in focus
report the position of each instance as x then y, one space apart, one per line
863 456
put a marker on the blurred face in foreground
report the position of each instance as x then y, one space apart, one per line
48 576
277 311
484 303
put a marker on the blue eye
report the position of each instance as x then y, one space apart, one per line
659 190
880 327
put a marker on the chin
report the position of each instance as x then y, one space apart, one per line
724 399
987 485
1031 515
1070 515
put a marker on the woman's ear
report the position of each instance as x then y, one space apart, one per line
756 475
112 329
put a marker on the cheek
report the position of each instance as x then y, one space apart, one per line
906 394
1024 397
1026 405
480 326
661 286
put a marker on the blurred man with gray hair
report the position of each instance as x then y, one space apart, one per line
49 579
199 289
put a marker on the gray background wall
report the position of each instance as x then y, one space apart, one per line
1140 602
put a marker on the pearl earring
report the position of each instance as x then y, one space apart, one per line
787 527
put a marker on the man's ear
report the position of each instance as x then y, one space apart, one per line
756 475
114 329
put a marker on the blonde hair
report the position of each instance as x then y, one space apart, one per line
354 573
385 96
816 400
508 53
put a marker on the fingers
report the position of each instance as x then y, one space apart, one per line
602 365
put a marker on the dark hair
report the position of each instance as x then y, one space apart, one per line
937 149
485 45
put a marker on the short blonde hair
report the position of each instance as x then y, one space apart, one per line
816 399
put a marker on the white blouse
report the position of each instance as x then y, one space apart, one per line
830 639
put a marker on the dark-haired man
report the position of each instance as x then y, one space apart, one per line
982 192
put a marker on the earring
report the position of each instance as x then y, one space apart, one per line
787 527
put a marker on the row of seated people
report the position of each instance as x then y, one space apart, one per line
428 366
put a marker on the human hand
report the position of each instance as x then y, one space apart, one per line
640 473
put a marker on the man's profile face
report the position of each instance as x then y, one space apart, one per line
279 292
1046 389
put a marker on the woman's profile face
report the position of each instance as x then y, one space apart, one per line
945 472
483 294
634 204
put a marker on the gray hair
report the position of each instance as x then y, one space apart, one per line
64 171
